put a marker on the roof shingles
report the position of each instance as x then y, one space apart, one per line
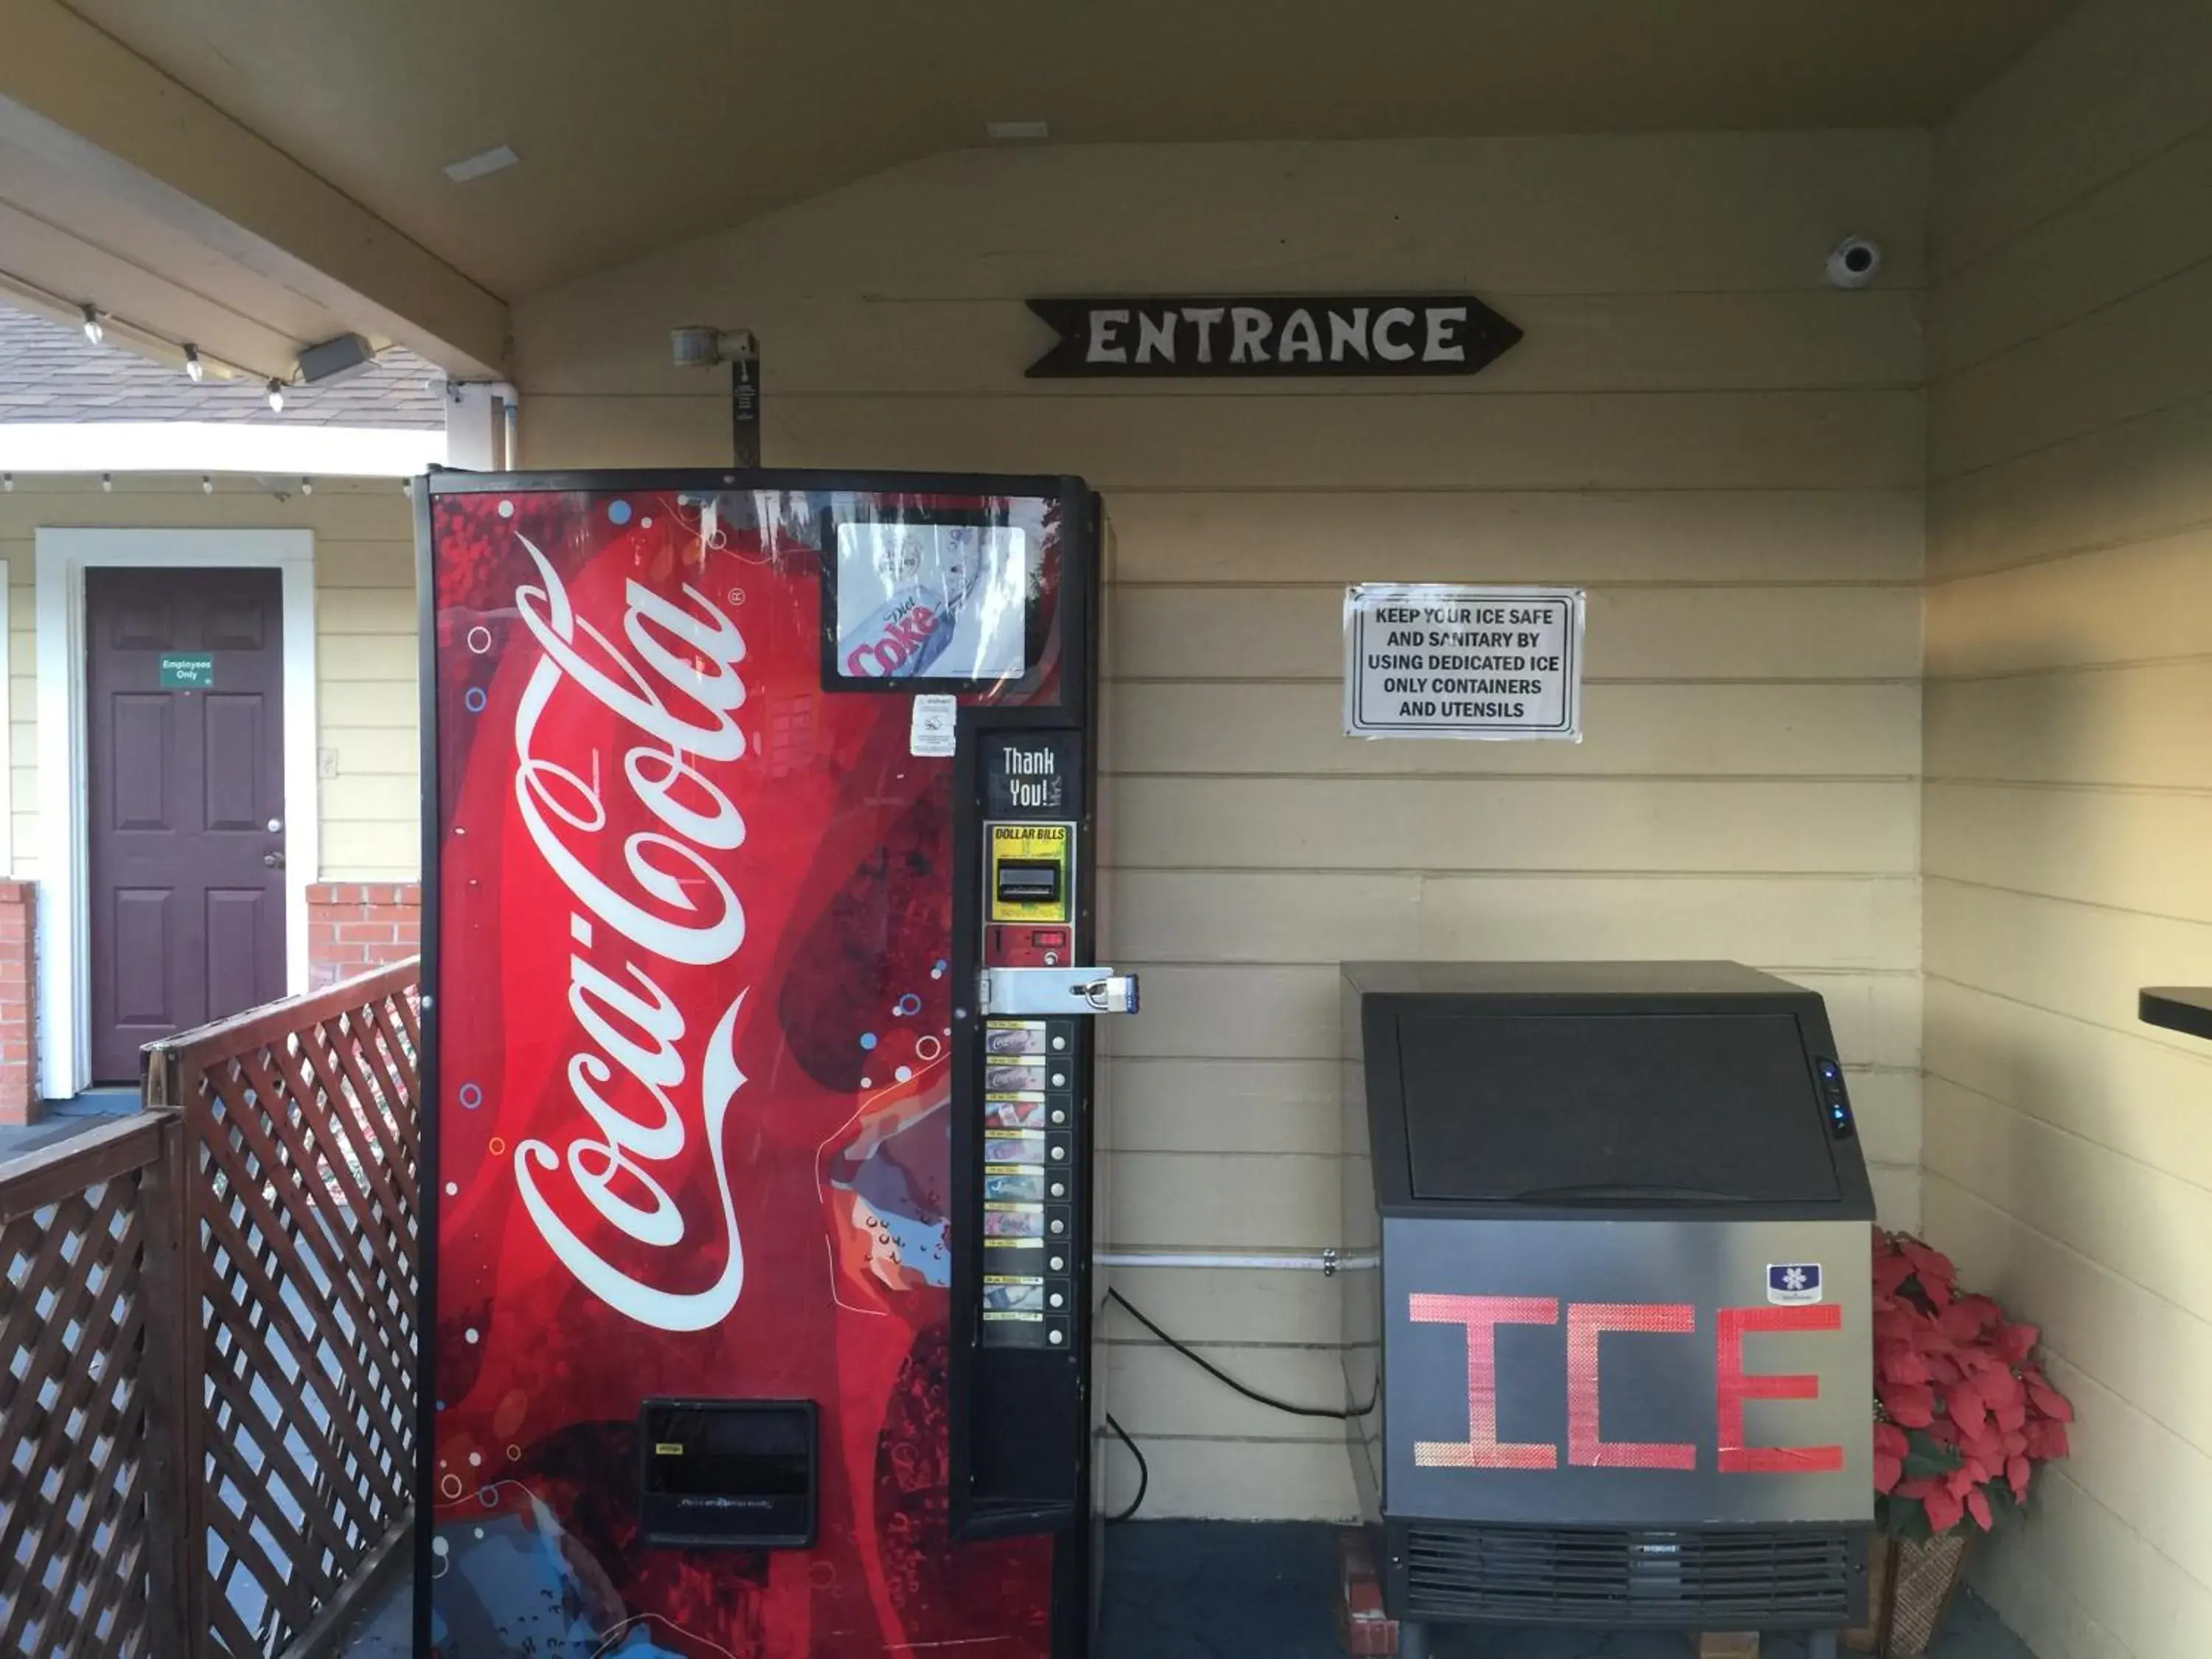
51 374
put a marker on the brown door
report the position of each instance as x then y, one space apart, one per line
185 751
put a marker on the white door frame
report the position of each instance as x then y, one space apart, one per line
64 898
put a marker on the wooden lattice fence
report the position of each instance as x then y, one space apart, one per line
88 1289
207 1342
298 1169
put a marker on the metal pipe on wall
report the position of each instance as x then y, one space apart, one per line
1328 1263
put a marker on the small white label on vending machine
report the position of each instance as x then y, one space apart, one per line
1432 659
931 732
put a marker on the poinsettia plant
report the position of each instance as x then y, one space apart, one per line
1962 1414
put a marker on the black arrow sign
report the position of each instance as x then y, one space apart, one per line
1280 337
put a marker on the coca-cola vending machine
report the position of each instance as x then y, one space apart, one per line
759 992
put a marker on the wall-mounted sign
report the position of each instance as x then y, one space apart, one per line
1284 337
1431 659
187 673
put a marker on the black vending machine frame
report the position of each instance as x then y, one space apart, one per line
1081 527
1063 1432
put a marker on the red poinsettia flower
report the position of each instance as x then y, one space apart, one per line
1890 1447
1956 1393
1911 1404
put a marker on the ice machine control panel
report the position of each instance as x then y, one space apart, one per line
1833 1101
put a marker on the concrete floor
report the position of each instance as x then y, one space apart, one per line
1196 1590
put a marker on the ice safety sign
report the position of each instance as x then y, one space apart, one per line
1433 659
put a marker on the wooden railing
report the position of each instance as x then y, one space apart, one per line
207 1342
83 1567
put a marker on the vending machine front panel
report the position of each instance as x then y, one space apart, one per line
736 1343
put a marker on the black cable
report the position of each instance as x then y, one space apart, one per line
1220 1376
1143 1473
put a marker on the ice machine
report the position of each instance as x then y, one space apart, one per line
1614 1364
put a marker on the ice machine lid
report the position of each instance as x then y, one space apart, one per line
1669 1109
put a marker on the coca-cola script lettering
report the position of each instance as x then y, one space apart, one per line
677 907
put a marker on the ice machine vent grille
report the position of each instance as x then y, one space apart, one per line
1732 1580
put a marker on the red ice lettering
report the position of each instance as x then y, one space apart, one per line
1587 1323
1482 1315
1735 1386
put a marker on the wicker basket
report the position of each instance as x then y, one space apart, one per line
1910 1585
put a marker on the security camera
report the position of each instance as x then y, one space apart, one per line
1853 262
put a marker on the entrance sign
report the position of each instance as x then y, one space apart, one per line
1282 337
1431 659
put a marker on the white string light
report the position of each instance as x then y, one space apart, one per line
98 325
275 396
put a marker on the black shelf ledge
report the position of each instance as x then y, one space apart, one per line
2178 1007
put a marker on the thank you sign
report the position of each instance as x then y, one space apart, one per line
1435 659
1180 337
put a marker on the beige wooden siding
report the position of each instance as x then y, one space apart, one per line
365 640
2068 803
1728 453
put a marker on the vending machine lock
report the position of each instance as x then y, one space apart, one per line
1056 991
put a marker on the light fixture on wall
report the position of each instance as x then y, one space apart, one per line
326 359
107 483
698 347
195 370
306 486
207 484
275 396
93 330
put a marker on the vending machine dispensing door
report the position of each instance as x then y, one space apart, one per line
758 1032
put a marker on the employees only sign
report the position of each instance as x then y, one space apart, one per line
1431 659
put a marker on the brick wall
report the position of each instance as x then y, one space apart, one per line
353 927
18 1075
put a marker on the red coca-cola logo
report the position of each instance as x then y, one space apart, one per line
640 1108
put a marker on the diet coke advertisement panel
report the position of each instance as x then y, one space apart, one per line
691 1031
